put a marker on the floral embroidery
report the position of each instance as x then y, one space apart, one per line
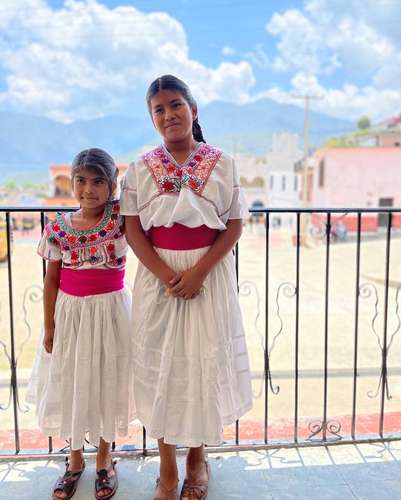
194 173
107 228
96 245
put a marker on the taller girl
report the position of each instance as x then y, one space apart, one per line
184 211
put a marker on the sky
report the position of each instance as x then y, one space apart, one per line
80 59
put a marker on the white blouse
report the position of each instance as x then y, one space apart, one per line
202 190
103 246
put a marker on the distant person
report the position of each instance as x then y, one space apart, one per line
82 376
184 214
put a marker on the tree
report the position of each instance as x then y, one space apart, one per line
363 122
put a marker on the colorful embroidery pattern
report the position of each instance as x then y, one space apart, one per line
194 173
95 245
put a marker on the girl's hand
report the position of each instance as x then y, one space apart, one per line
187 284
48 340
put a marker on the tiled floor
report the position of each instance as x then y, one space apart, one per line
365 471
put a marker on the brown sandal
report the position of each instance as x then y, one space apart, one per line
68 482
104 481
196 491
166 494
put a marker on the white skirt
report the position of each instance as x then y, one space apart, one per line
85 384
191 369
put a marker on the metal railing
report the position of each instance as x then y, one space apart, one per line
323 431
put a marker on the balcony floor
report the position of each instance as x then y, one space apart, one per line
363 471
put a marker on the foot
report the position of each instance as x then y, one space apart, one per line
197 472
195 486
165 491
104 462
66 485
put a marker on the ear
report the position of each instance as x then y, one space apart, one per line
194 110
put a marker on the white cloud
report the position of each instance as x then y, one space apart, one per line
258 57
351 40
348 102
86 60
228 51
321 43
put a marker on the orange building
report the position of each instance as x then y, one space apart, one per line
60 178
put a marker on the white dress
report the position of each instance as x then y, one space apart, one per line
191 369
85 384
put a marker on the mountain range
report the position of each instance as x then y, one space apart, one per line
29 144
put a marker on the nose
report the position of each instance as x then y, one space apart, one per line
169 114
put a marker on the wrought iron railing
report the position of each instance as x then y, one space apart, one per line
310 226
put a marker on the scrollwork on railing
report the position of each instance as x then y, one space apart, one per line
289 291
7 355
32 294
245 289
319 426
366 291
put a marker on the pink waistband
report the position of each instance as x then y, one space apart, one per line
179 237
91 281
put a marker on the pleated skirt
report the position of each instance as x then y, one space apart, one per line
85 385
191 368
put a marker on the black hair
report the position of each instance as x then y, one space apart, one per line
171 82
98 160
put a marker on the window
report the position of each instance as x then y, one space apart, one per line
283 179
321 173
272 182
295 183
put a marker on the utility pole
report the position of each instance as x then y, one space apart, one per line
305 202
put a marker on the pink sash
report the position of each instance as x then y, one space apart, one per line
179 237
91 281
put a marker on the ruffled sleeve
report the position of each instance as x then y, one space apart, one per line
129 194
238 207
49 248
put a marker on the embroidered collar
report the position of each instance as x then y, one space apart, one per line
69 237
170 177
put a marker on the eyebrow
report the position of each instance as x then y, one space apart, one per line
91 178
173 101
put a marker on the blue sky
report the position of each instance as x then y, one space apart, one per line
78 59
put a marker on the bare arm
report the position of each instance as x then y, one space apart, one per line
223 244
144 250
51 286
188 284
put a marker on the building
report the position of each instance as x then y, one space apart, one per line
386 134
61 189
284 181
358 177
252 173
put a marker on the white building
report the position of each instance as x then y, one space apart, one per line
284 184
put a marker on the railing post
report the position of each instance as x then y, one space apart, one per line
13 367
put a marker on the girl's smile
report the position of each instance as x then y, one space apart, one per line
172 116
90 189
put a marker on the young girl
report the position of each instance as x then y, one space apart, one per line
184 212
81 380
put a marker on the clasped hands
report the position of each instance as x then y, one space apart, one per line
186 284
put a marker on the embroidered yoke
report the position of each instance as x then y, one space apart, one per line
103 246
204 190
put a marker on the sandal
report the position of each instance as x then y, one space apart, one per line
166 494
68 482
196 490
104 481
